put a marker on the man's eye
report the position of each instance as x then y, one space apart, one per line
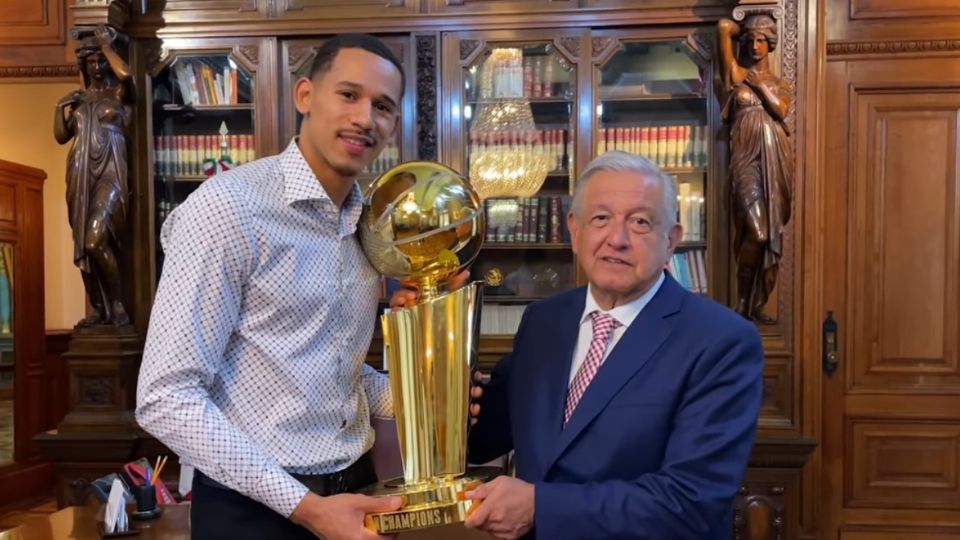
598 219
347 94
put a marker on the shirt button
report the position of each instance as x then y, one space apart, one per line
343 424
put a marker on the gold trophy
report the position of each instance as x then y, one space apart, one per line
423 222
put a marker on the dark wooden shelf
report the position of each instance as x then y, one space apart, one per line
692 244
525 245
183 177
216 108
632 96
531 100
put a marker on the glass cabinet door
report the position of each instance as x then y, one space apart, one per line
203 112
516 119
653 99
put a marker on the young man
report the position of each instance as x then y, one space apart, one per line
631 404
253 368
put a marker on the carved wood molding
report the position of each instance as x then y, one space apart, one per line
790 42
759 516
298 56
469 49
427 97
893 47
39 72
774 10
701 44
602 48
248 56
569 45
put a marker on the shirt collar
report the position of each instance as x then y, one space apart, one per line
626 313
301 184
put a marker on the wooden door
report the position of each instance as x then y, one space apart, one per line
891 276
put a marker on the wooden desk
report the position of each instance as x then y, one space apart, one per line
81 522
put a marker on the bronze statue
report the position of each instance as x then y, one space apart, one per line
761 157
96 118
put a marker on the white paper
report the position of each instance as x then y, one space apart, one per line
186 479
111 516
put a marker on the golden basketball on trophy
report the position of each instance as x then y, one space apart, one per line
423 222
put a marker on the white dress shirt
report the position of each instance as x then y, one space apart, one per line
624 314
253 367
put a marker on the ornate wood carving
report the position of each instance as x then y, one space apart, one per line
893 47
467 48
248 55
599 45
21 72
95 390
571 45
742 12
759 516
298 57
427 97
701 44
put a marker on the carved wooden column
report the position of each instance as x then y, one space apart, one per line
99 432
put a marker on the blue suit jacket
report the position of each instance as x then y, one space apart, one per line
659 443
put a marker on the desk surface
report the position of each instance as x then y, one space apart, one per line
81 522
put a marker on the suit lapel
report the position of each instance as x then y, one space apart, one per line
553 370
642 339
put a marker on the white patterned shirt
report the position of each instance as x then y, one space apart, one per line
253 367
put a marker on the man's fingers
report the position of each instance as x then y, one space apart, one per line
477 515
475 410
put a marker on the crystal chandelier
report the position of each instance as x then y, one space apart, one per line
507 156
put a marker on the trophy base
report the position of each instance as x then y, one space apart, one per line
427 504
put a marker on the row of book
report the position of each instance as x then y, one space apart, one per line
184 155
555 143
206 83
508 74
668 145
689 267
527 219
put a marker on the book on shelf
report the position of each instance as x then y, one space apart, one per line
184 155
529 220
690 269
203 83
670 146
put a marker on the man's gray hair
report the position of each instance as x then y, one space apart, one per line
623 161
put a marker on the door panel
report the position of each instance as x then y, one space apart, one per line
891 438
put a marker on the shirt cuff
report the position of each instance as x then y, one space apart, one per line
280 491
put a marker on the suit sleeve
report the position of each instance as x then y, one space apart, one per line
704 462
492 437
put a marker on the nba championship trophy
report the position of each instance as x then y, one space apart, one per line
423 222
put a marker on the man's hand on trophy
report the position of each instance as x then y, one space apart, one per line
475 394
502 507
340 517
408 295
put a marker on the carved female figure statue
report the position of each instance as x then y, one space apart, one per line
761 157
96 118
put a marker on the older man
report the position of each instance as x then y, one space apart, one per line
631 404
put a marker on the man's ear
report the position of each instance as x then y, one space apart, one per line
674 236
574 231
302 95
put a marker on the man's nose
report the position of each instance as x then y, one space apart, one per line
362 114
617 235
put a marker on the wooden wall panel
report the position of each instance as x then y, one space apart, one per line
493 6
898 9
33 40
904 464
892 26
36 22
906 300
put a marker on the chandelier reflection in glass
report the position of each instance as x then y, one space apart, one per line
508 157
